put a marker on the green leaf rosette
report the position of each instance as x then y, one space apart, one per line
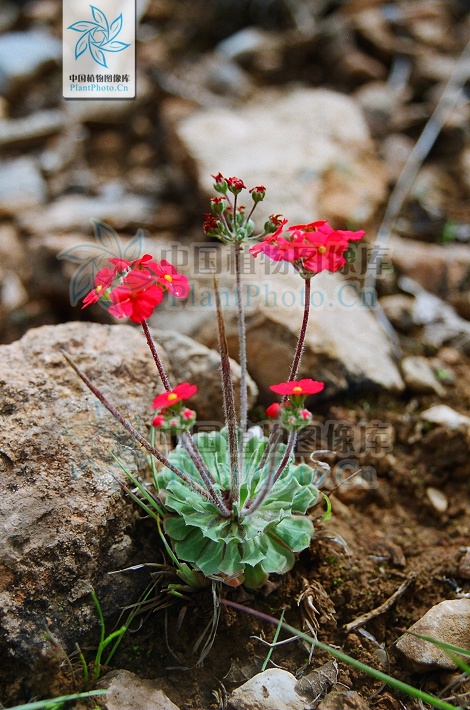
247 546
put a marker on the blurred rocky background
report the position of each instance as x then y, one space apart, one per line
321 101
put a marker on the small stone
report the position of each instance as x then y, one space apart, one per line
21 186
399 310
445 416
343 700
128 692
419 377
438 500
273 689
12 292
449 622
464 565
39 125
244 44
450 356
23 54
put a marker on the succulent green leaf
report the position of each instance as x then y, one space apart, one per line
255 544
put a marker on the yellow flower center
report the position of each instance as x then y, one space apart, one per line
168 278
172 396
321 250
99 288
297 390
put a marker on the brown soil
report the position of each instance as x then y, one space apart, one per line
374 541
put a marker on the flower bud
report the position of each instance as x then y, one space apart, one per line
220 184
258 193
219 204
235 185
274 410
158 421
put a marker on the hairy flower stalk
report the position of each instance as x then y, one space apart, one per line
208 494
228 395
303 331
160 367
242 354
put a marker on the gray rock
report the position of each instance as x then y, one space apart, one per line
448 621
23 54
313 162
441 322
128 692
21 186
60 508
438 269
399 310
419 376
345 346
445 416
273 689
39 125
76 211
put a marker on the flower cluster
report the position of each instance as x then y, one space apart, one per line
172 414
311 248
230 224
291 412
133 289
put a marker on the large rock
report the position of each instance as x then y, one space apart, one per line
64 522
345 346
76 211
61 511
311 149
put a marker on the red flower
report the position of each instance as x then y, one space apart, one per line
274 410
130 302
311 248
168 276
103 280
172 397
298 388
123 264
